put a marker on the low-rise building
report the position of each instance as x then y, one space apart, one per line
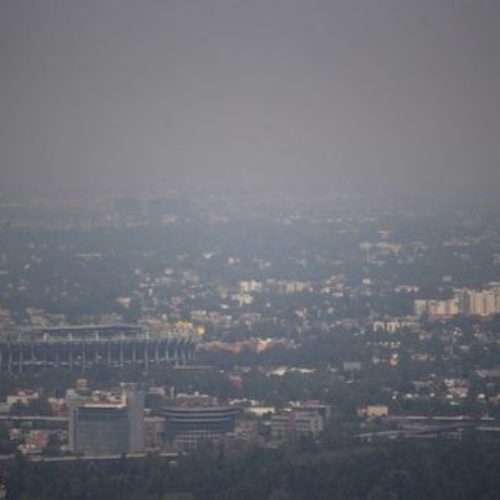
373 411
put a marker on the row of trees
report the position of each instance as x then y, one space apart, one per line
434 470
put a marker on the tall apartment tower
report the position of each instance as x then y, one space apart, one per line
134 398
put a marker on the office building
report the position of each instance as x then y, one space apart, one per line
108 428
186 427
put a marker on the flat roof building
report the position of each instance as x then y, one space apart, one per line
97 429
186 426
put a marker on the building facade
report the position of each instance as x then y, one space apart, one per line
186 427
97 429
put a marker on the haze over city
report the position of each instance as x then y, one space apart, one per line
308 97
249 249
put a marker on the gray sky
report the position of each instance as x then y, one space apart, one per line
314 95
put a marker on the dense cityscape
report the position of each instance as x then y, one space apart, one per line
158 327
249 250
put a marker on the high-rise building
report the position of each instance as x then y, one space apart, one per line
479 302
134 397
483 303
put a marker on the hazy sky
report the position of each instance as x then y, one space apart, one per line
316 95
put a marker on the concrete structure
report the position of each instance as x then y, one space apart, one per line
187 426
281 425
373 411
97 429
308 419
309 424
437 308
483 303
154 432
87 346
134 397
24 397
479 302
